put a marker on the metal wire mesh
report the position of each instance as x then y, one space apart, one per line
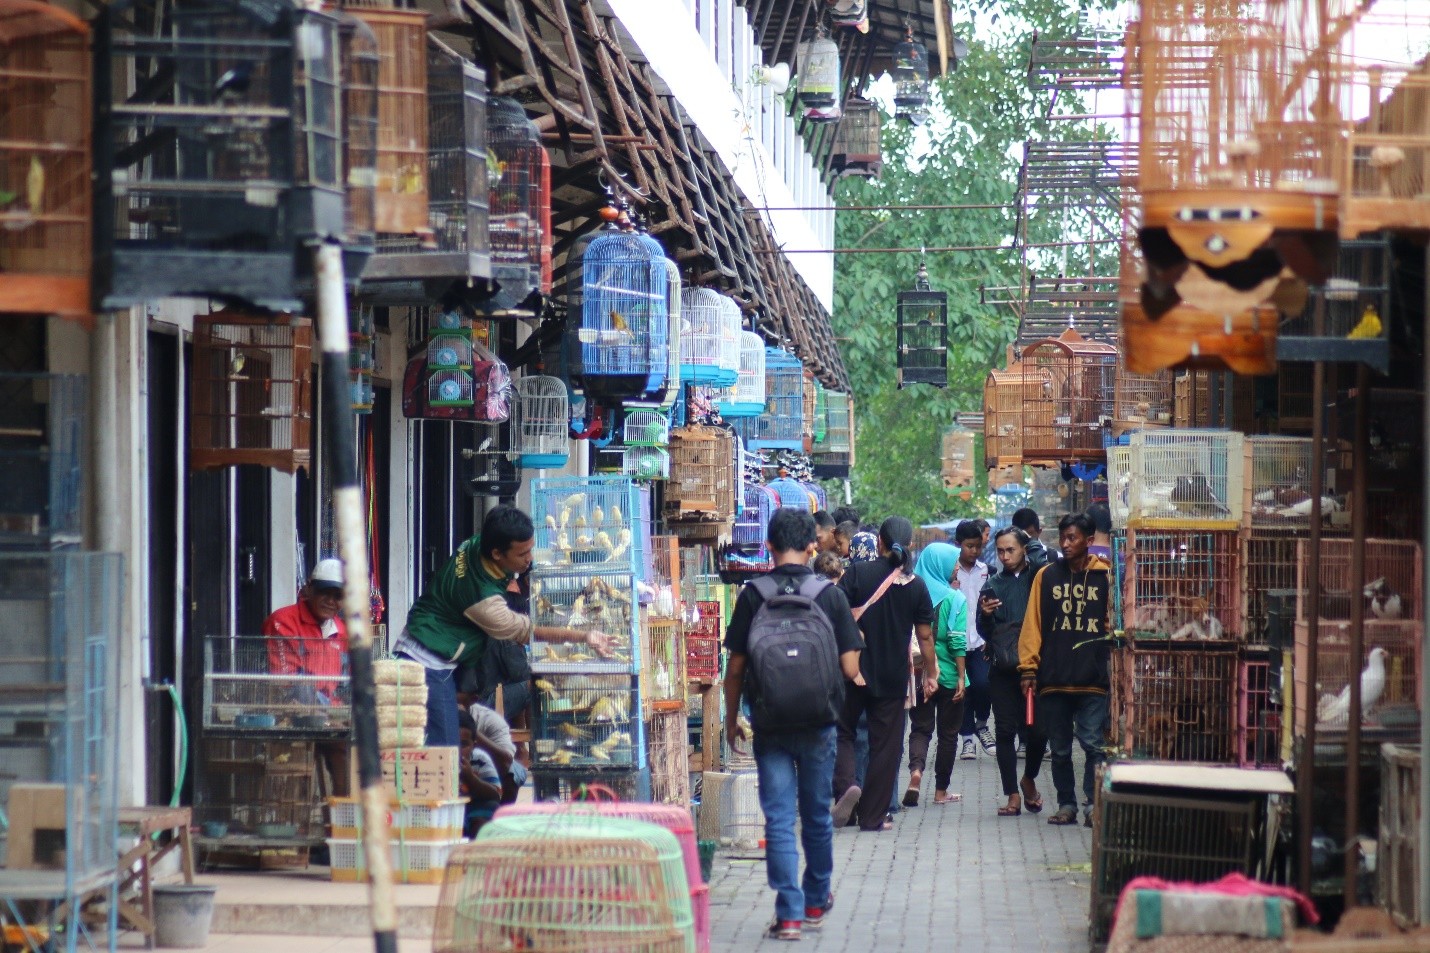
662 664
703 632
922 337
742 821
276 686
1402 663
1394 562
1280 480
587 720
1258 720
781 425
520 176
646 428
600 522
747 397
589 599
1176 701
624 324
1270 558
1146 397
818 65
540 435
42 444
857 148
1186 479
244 784
1183 584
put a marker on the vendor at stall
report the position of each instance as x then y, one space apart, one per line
465 605
309 639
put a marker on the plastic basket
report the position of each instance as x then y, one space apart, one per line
413 862
411 820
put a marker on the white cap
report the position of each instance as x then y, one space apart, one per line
327 574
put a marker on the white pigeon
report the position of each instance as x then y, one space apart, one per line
1385 603
1333 711
1328 506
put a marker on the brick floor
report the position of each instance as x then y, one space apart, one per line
954 877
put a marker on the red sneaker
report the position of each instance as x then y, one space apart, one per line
814 916
784 930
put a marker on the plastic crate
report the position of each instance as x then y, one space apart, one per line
413 862
439 821
587 721
1186 479
590 599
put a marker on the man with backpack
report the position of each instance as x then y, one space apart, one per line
792 642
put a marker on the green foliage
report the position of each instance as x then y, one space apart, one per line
969 154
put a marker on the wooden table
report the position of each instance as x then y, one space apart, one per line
137 864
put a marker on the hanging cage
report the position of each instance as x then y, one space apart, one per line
646 463
923 334
458 378
819 73
361 64
712 323
834 453
646 428
1068 389
453 254
624 324
252 391
781 425
812 409
702 474
492 465
1002 413
747 397
748 553
792 494
857 147
519 171
542 416
911 78
957 464
1143 398
225 157
45 223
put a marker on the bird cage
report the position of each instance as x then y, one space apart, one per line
520 176
781 425
361 62
792 494
1395 564
607 518
811 407
252 391
819 73
1345 319
1186 479
1143 398
646 428
646 463
821 410
402 167
541 420
43 436
1392 645
558 881
1386 158
675 349
923 334
702 474
662 678
958 463
1192 399
857 144
1280 483
624 324
711 342
834 455
1175 701
224 158
454 252
747 397
1269 558
46 173
1068 389
1002 417
911 77
748 538
1119 484
1183 585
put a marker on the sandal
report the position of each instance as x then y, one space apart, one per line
911 796
1064 817
1009 810
1033 802
943 797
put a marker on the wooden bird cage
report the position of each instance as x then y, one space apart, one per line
252 391
911 78
1068 389
1142 399
819 73
833 456
922 342
1192 399
45 224
361 62
812 404
1002 415
224 158
956 455
520 205
401 177
857 144
623 335
702 474
454 254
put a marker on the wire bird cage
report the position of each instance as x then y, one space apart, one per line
706 329
956 455
519 171
251 391
670 766
566 881
923 334
1188 837
1186 479
1183 584
401 172
543 415
1142 398
662 665
1391 589
857 149
646 428
747 397
1176 701
1280 482
1258 718
276 688
702 474
624 323
742 821
588 721
61 718
246 784
818 80
911 78
646 463
1269 556
1345 318
42 446
703 634
781 425
748 539
1398 641
588 600
45 173
792 494
597 522
833 456
224 158
1068 388
453 251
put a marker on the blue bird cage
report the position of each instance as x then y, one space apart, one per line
753 524
747 397
710 326
792 494
625 323
781 426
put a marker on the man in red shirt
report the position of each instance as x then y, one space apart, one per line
309 638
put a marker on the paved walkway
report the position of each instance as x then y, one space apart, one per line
954 877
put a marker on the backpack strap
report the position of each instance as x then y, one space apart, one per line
813 586
766 587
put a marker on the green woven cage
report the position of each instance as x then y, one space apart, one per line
566 883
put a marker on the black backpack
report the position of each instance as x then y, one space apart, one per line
793 678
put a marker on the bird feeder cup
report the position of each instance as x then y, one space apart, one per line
45 161
922 338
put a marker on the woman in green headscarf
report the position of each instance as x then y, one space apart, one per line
945 708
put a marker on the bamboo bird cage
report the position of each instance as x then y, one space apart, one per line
1068 390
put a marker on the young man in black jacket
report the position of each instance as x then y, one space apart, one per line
1028 521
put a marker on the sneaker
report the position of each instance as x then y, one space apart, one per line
970 750
814 916
985 738
843 808
784 930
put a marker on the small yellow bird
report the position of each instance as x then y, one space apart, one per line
35 185
235 366
619 323
1369 326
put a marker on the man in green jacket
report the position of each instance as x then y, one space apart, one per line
464 605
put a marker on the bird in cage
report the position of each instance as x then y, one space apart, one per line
1334 710
1385 603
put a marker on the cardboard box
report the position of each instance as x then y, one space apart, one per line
38 836
428 774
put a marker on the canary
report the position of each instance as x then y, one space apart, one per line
1369 326
619 323
35 185
235 367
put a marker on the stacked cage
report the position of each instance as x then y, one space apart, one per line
662 653
1003 394
702 475
703 627
1068 386
1175 701
361 65
646 435
1186 479
625 325
1183 584
541 421
748 553
519 171
1141 400
747 397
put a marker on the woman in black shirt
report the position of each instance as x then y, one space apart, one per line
887 619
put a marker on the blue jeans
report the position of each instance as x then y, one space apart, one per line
796 770
441 707
976 700
1065 715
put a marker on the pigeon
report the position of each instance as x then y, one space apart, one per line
1385 603
234 84
1333 711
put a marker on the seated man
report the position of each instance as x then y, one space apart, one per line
308 638
481 782
493 735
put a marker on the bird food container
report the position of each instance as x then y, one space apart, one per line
1390 673
589 721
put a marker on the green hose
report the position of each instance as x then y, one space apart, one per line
183 744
